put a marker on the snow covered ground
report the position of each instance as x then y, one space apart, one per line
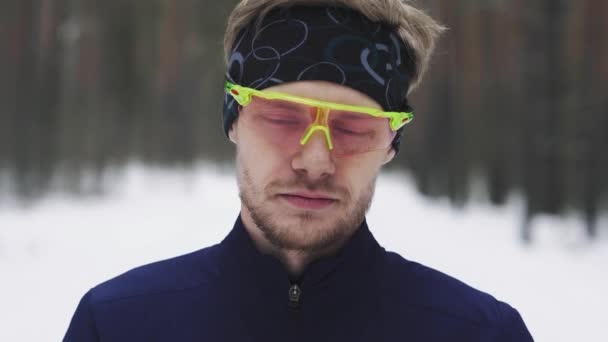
52 253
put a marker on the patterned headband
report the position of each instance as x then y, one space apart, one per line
333 44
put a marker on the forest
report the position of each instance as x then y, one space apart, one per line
515 97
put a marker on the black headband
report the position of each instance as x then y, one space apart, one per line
334 44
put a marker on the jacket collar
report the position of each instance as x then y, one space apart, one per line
243 260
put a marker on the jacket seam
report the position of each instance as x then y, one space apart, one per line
151 293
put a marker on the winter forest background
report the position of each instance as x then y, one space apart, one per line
516 95
515 103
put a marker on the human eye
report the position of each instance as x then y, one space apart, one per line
351 129
346 131
281 120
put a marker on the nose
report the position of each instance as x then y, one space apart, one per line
314 158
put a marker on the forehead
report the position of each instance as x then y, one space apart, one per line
326 91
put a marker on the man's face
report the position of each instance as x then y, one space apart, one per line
307 200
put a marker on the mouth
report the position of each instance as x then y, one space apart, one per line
308 201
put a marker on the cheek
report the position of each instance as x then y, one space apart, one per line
262 164
358 173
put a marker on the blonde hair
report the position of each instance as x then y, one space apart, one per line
415 28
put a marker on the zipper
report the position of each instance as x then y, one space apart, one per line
295 298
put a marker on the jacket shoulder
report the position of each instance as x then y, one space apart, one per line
171 275
439 294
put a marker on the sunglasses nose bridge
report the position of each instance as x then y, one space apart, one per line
320 124
322 116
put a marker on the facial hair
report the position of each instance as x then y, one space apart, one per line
305 233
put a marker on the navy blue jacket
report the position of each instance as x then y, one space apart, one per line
231 292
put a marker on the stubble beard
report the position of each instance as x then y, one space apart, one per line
305 233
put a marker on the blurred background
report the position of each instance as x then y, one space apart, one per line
112 153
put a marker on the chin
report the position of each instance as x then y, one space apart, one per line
306 231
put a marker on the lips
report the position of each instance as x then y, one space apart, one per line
310 195
310 201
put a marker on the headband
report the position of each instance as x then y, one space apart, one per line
334 44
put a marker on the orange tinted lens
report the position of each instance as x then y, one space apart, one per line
284 123
354 133
281 122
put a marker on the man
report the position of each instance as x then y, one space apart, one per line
315 104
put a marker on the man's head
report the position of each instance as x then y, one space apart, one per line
361 53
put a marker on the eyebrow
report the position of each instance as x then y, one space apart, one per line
286 104
352 116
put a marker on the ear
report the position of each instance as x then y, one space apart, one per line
232 134
389 156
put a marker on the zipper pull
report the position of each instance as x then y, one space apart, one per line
295 292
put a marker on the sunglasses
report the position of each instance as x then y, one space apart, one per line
289 121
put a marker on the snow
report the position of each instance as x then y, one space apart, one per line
52 253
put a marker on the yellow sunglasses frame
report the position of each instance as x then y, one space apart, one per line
243 96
